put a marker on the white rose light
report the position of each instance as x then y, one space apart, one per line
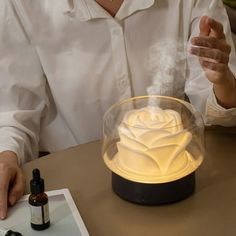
153 145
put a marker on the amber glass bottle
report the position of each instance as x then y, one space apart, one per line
38 201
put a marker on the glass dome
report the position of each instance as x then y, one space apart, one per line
153 139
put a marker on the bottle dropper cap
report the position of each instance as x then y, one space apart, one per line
13 233
7 232
37 183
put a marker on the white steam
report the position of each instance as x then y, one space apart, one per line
167 67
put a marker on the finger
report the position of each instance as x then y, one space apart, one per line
204 27
3 204
218 67
4 184
214 55
216 28
210 42
17 189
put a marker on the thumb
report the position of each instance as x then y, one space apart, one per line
204 26
17 189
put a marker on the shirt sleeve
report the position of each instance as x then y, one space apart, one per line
22 87
198 89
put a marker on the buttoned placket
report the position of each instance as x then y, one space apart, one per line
120 59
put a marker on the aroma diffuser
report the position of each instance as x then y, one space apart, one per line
153 145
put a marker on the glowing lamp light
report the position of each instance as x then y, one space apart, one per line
153 145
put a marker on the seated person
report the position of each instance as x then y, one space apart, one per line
64 63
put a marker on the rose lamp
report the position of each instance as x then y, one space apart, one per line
153 145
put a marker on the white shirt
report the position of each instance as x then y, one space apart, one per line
64 63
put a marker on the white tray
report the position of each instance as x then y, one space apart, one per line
64 217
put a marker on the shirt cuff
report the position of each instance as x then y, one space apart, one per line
12 149
215 114
12 139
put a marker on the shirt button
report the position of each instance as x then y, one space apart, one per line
123 83
117 31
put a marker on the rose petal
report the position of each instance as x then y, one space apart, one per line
135 161
132 143
181 138
167 153
150 137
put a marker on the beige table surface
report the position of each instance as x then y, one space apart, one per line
211 211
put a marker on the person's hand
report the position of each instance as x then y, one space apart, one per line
212 49
213 52
12 181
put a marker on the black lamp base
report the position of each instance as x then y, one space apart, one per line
153 194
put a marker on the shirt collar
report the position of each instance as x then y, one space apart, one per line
131 6
86 10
